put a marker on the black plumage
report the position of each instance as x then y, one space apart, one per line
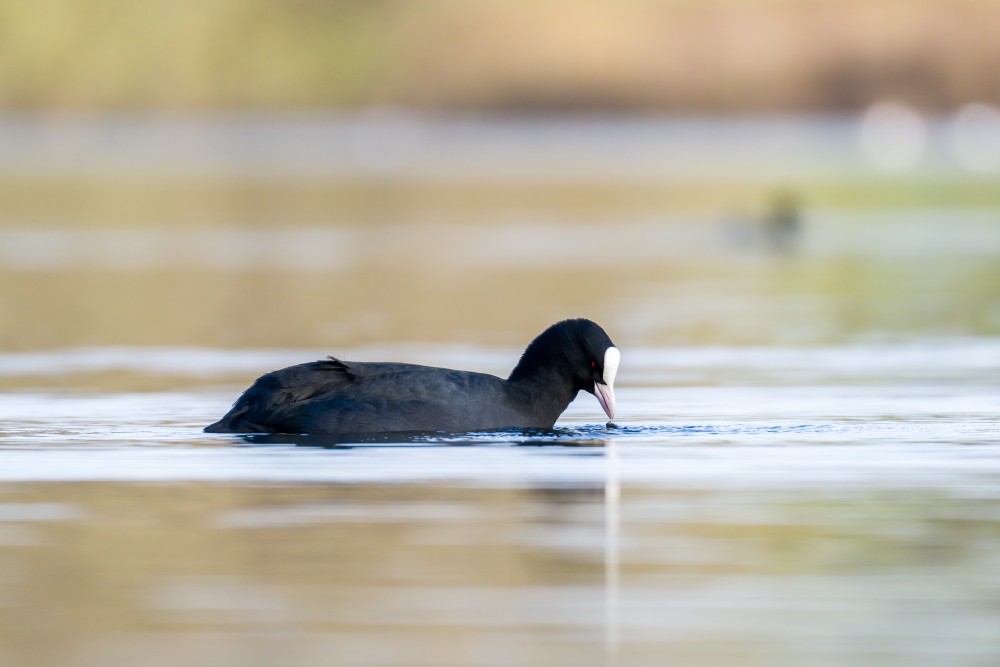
343 397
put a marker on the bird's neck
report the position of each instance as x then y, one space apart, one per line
545 391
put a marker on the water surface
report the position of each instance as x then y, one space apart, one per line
805 471
828 505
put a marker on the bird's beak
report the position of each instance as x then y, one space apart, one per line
606 397
605 392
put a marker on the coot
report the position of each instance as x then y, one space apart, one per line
341 397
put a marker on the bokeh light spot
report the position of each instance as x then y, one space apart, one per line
975 137
893 136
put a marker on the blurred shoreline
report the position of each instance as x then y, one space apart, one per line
469 148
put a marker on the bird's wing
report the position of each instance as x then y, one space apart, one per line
274 393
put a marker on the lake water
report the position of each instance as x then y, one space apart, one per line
823 505
805 468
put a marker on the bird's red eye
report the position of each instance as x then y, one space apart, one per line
593 364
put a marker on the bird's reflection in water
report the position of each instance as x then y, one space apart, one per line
567 437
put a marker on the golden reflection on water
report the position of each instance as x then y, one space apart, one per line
421 289
128 259
116 574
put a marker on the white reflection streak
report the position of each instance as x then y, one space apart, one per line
612 495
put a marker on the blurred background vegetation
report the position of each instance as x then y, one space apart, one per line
644 55
297 172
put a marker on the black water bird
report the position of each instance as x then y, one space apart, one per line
347 397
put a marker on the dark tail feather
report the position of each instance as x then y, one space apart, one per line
234 422
236 426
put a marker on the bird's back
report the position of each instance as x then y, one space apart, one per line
333 396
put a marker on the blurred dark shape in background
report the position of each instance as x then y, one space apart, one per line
775 227
783 222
